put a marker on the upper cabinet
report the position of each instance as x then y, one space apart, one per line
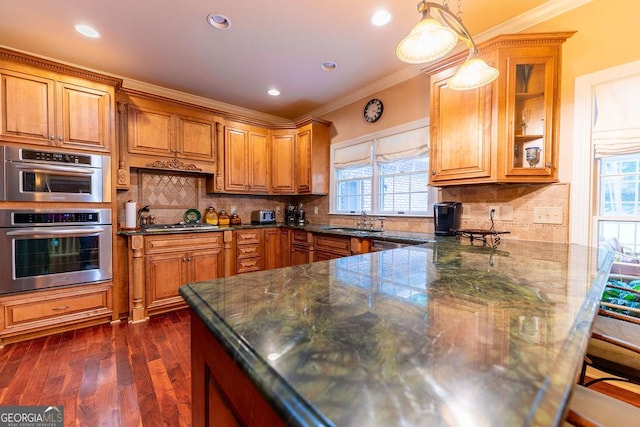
505 132
51 108
258 160
246 159
161 135
283 161
312 157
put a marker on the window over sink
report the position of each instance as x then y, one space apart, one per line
386 173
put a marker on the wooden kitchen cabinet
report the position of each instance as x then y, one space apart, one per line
165 136
272 248
31 314
484 135
302 250
246 159
173 260
42 107
249 250
283 162
312 157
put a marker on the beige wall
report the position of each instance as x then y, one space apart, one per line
606 32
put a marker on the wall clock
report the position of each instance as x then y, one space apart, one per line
373 110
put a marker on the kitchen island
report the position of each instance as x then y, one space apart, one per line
446 333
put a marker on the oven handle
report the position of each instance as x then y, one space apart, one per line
83 231
53 168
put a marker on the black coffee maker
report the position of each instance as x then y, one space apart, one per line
446 216
292 214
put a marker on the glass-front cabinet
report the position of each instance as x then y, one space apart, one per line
531 111
505 132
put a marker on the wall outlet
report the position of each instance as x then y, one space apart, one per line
547 215
315 210
502 213
466 212
278 210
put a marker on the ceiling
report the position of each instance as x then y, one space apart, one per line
270 44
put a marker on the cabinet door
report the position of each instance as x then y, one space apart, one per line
285 247
460 131
236 143
205 265
196 139
258 161
27 109
530 105
150 131
303 160
85 117
300 255
165 274
272 249
282 163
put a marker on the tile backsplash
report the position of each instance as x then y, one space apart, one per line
520 206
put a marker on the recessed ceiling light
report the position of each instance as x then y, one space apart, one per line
218 21
87 31
329 65
273 92
381 17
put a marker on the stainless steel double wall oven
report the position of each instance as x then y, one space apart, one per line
57 245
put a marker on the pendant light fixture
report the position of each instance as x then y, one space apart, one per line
431 39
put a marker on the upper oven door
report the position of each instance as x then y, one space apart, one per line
37 182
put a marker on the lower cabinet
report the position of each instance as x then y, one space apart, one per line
173 260
272 249
301 247
249 250
32 314
329 246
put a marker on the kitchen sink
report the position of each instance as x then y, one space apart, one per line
354 230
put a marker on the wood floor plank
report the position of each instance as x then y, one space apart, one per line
109 375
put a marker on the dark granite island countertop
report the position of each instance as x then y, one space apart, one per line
445 333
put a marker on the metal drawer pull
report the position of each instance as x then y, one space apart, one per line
64 307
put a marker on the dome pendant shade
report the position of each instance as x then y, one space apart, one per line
428 40
473 74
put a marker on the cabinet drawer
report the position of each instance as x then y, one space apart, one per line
182 242
45 309
333 244
247 237
300 236
248 251
246 265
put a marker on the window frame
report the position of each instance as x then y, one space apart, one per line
432 192
584 217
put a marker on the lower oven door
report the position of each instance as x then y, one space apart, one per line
45 257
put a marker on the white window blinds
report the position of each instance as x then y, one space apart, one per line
405 145
616 128
353 155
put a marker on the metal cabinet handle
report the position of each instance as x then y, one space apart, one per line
64 307
52 137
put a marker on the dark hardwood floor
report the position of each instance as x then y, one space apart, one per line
120 375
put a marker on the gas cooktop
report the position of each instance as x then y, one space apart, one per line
158 228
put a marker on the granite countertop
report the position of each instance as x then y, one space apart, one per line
445 333
387 235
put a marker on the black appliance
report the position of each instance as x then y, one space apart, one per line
292 214
446 216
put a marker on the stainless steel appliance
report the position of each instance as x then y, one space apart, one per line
34 175
263 217
44 248
446 216
292 214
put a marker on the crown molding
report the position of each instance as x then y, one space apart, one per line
542 13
